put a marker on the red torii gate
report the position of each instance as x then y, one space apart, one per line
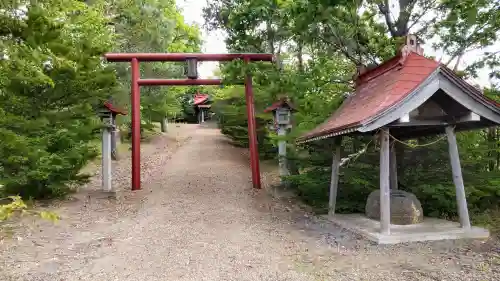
135 58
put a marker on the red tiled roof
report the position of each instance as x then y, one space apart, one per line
200 98
281 102
376 91
114 109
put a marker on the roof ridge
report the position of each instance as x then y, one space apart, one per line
399 60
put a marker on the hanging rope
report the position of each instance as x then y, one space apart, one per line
353 157
418 145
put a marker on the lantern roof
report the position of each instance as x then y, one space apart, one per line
113 109
282 102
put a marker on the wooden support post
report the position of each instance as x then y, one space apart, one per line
334 183
393 166
385 192
106 156
282 153
456 169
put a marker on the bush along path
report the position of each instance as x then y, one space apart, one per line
197 218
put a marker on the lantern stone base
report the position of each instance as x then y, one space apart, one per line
430 229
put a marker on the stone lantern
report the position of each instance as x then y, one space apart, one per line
282 116
107 112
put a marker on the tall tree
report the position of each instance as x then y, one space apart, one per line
153 26
51 78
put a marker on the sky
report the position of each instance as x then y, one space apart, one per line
213 42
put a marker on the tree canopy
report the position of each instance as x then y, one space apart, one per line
53 78
321 43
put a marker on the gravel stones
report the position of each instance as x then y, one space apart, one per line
198 218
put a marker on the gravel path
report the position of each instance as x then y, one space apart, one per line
197 218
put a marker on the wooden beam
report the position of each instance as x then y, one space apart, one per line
334 183
122 57
437 121
419 123
472 102
456 169
448 104
385 192
470 117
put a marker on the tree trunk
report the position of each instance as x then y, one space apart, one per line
164 125
114 151
497 140
492 145
300 48
270 37
455 68
293 168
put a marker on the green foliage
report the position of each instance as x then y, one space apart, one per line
320 43
17 206
466 26
358 177
489 219
52 76
424 171
230 108
427 173
153 26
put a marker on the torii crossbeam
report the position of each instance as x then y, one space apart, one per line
191 59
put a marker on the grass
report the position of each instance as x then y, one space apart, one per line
123 148
147 135
489 219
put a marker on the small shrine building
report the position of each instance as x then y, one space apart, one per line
202 105
406 97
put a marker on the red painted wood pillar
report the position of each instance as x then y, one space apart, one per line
136 126
252 130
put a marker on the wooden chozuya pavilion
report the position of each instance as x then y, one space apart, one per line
407 96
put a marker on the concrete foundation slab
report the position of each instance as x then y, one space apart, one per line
429 229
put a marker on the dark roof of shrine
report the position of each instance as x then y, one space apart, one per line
395 87
282 102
